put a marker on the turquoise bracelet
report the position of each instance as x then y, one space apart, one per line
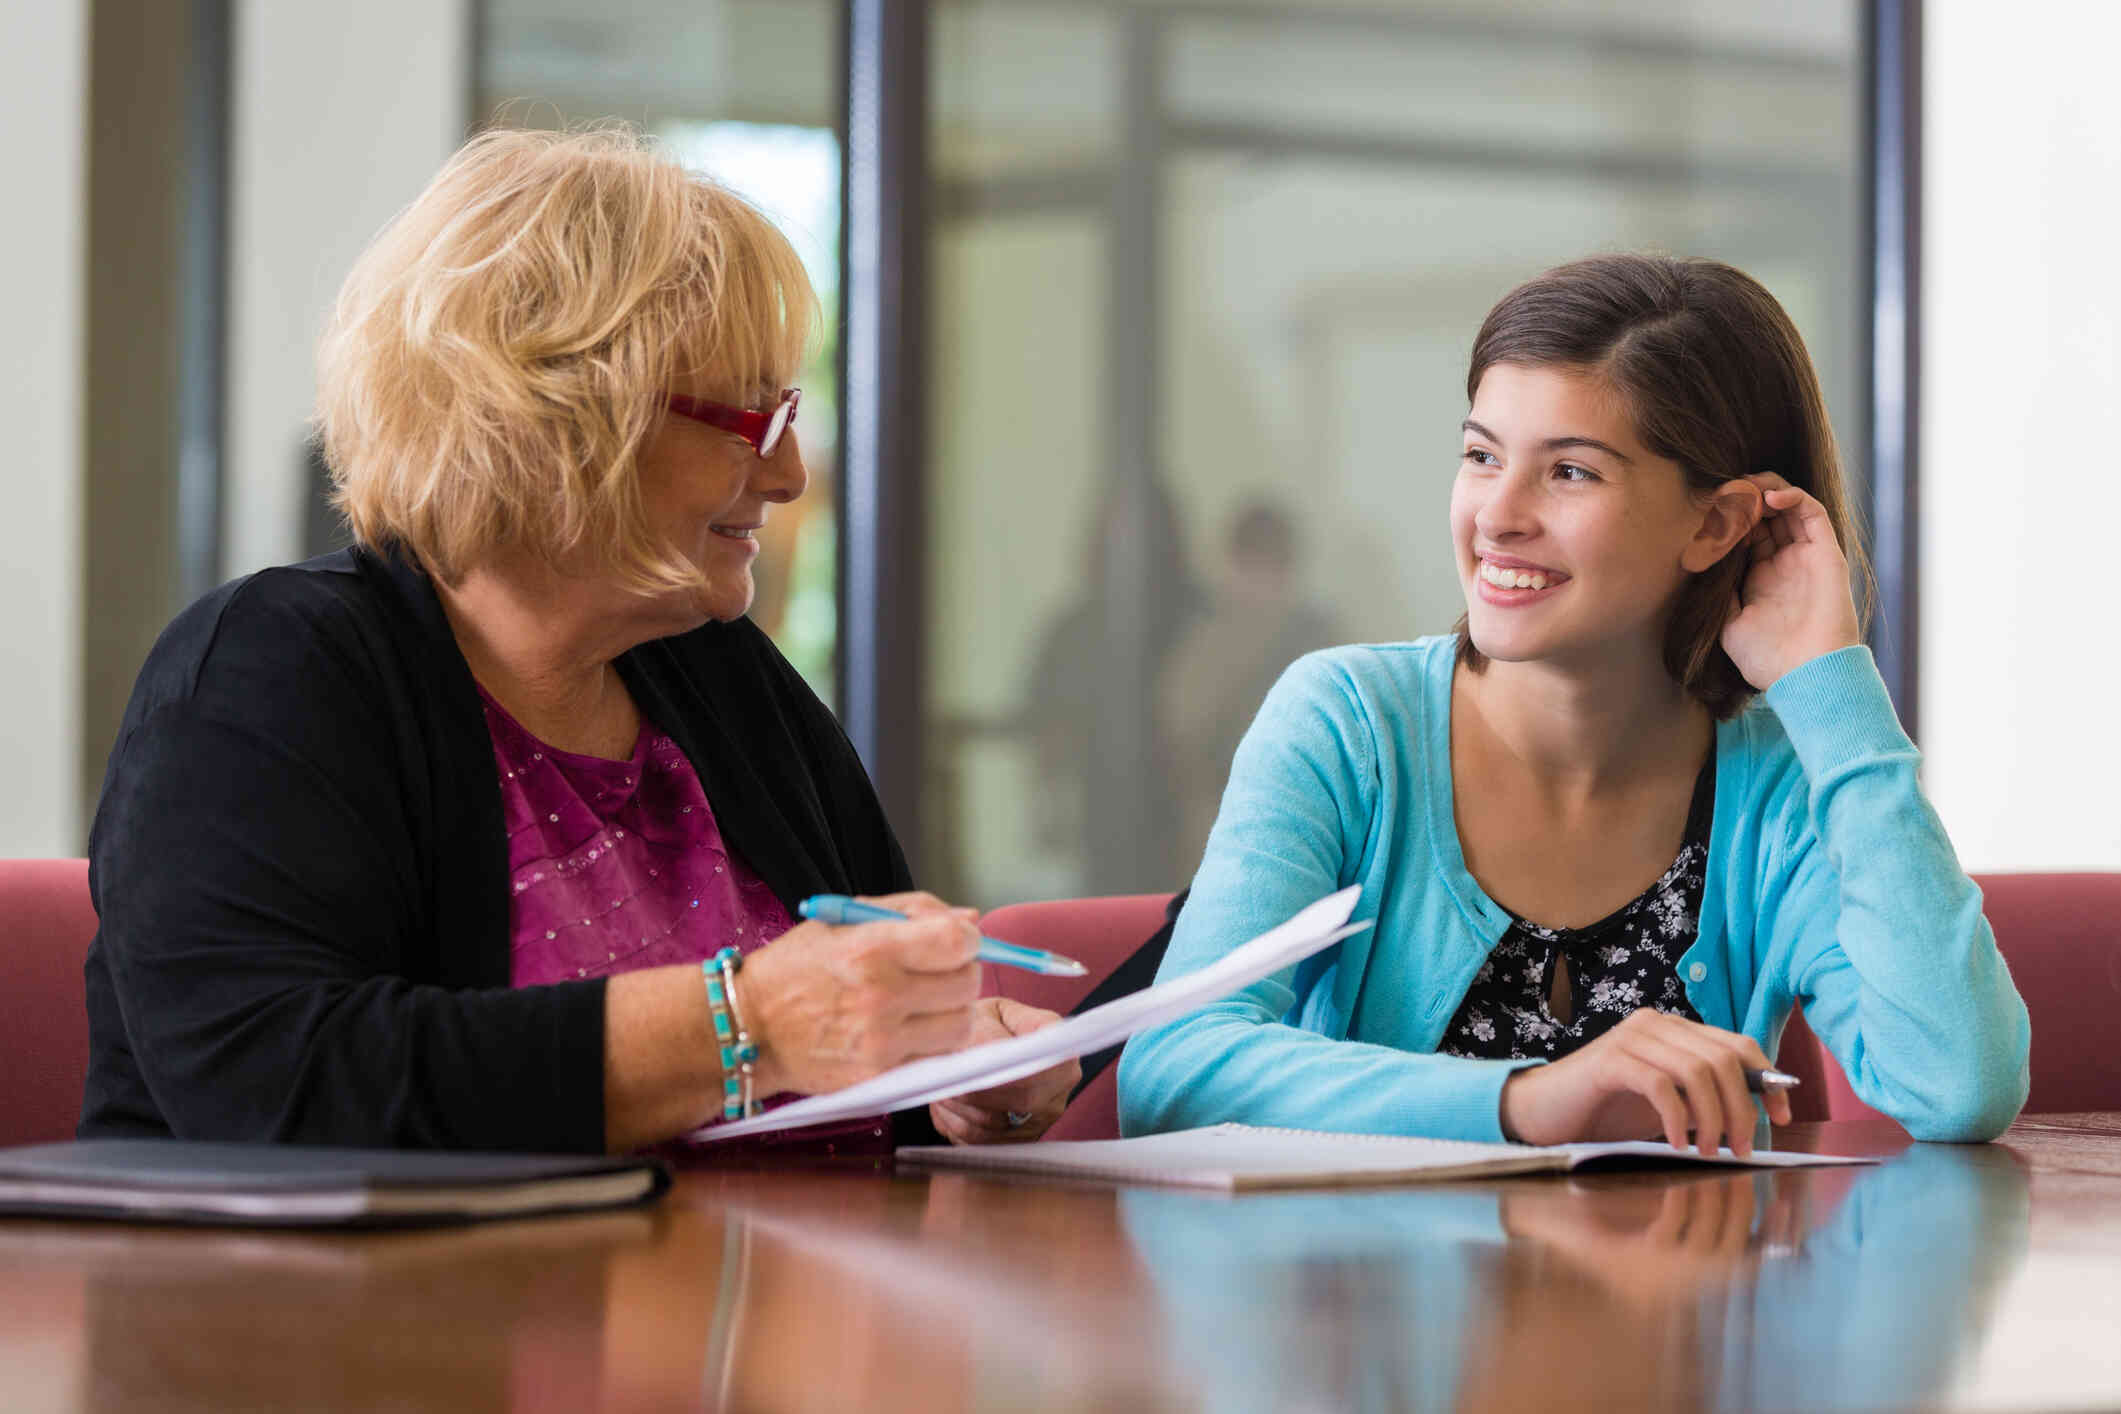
730 1035
731 961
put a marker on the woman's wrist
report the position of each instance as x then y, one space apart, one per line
759 982
1516 1101
738 1053
1806 655
1505 1120
661 1078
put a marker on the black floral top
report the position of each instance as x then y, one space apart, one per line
1627 960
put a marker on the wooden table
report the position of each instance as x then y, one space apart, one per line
1984 1277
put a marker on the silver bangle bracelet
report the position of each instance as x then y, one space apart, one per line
730 961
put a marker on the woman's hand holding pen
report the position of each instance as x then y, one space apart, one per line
833 1004
1794 604
829 1005
1651 1071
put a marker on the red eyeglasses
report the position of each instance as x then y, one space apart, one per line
761 429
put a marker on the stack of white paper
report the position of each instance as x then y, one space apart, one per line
998 1062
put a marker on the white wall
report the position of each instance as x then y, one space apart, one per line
2021 350
43 97
341 114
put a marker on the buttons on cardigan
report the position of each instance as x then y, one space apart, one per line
1697 972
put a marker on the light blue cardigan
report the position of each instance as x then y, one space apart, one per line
1830 882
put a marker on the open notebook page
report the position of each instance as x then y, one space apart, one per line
1234 1157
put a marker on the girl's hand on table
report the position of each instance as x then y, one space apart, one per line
1651 1071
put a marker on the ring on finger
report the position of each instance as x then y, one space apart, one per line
1015 1119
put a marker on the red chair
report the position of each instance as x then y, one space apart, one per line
1100 933
48 922
2061 935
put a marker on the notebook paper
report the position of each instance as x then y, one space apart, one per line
1237 1157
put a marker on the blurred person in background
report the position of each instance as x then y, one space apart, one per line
1072 674
1256 624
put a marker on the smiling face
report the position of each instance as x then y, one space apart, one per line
1572 539
708 492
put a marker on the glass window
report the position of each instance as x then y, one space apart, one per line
1204 283
746 92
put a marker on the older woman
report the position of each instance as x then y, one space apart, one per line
430 842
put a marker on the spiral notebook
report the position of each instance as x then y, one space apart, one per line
1237 1157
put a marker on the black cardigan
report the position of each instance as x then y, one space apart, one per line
301 872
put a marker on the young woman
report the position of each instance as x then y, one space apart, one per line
1650 796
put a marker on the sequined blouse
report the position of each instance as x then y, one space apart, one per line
616 866
1625 961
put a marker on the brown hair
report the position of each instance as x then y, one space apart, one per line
1717 379
500 351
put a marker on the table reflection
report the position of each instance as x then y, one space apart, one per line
970 1294
1820 1288
486 1318
800 1291
786 1290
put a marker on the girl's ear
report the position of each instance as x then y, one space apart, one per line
1727 518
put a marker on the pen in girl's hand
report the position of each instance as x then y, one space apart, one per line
838 908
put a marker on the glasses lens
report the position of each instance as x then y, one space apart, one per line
775 427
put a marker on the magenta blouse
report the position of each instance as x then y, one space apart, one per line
619 865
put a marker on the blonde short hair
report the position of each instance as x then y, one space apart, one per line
500 351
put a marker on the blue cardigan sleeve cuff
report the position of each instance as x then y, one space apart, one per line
1835 710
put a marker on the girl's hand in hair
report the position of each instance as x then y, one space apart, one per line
1653 1072
1794 604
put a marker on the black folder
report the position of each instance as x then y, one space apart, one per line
290 1185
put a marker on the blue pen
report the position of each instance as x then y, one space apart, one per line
838 908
